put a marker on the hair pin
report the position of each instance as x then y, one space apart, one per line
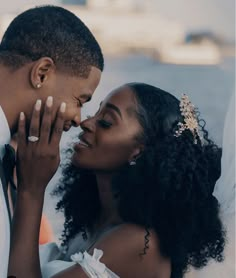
188 111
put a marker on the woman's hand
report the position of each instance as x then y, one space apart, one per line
38 161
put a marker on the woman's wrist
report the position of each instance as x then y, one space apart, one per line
30 193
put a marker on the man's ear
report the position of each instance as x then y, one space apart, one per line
40 71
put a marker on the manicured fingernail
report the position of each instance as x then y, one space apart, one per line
49 101
22 116
38 105
63 107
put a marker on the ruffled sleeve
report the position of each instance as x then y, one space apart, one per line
92 265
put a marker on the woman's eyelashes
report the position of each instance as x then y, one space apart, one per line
79 102
101 122
104 124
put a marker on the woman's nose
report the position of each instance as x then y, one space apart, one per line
87 124
76 121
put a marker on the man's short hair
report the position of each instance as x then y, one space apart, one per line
50 31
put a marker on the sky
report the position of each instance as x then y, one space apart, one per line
216 15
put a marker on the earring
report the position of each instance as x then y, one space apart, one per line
88 116
38 85
132 163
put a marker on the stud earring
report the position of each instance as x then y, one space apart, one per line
88 116
132 163
38 85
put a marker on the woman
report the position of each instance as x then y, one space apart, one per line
138 188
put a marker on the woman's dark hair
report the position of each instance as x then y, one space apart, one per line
54 32
169 190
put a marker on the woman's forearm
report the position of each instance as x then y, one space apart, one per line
24 252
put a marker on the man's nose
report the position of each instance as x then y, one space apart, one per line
76 121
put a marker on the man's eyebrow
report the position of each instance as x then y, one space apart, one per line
86 97
115 108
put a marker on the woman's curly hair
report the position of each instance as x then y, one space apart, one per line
169 190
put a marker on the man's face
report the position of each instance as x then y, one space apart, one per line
72 90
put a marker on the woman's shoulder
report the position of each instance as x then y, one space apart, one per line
133 235
133 249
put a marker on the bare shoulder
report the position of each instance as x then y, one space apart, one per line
123 253
130 235
132 251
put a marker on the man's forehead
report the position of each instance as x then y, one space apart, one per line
90 84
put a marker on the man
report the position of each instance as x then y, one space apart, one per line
46 51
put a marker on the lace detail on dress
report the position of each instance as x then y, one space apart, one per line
92 265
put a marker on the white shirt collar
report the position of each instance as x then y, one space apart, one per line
5 134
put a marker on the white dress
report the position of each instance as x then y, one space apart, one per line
90 264
225 193
53 261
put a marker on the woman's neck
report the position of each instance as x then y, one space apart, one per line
109 214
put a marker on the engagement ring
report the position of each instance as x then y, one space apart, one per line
33 138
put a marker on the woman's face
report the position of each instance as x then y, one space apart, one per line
108 140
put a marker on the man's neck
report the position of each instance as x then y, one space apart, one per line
12 95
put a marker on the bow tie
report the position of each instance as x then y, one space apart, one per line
9 163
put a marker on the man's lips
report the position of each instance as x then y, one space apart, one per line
66 127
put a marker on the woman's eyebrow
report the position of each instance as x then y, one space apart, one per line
113 107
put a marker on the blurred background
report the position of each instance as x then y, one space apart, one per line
182 46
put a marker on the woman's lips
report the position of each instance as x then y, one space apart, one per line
81 145
83 140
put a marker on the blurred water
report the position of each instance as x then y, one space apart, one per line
209 88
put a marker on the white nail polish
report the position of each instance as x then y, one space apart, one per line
63 107
22 116
38 105
49 101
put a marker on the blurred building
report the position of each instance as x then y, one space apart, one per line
133 5
130 26
74 2
121 27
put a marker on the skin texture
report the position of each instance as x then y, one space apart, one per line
119 138
21 86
